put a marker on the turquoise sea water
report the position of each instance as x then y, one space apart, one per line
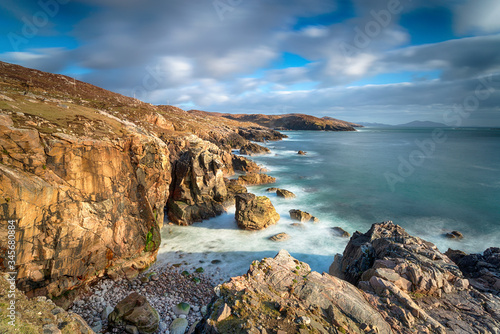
428 181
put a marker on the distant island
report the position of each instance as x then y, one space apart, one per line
413 124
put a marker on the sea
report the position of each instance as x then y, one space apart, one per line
429 181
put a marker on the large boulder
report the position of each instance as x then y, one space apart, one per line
252 179
135 310
243 164
198 187
255 212
283 293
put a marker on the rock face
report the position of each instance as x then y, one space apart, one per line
252 149
136 311
255 213
255 179
302 216
198 190
414 285
482 270
285 193
82 207
283 293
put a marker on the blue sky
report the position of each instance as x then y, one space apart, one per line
389 61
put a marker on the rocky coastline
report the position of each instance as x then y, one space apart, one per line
89 193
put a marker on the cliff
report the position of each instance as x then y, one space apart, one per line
289 121
397 283
88 176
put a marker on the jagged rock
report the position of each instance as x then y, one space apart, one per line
482 270
279 237
301 153
255 179
199 190
340 232
252 149
260 134
135 310
285 193
233 187
413 284
255 213
454 235
277 292
244 165
272 190
302 216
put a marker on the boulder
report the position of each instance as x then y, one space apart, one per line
178 326
272 190
255 179
255 213
252 149
135 310
279 237
198 187
282 292
301 153
285 193
340 232
302 216
233 187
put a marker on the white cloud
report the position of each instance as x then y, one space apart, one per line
482 15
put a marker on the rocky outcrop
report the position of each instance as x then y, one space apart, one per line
416 287
82 207
198 190
482 270
285 193
243 164
36 315
135 311
251 179
302 216
257 134
253 149
255 212
283 293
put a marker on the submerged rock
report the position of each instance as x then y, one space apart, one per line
255 213
340 232
302 216
279 237
301 153
454 235
285 193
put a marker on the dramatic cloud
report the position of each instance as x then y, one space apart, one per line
354 60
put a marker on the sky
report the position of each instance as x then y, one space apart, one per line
386 61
